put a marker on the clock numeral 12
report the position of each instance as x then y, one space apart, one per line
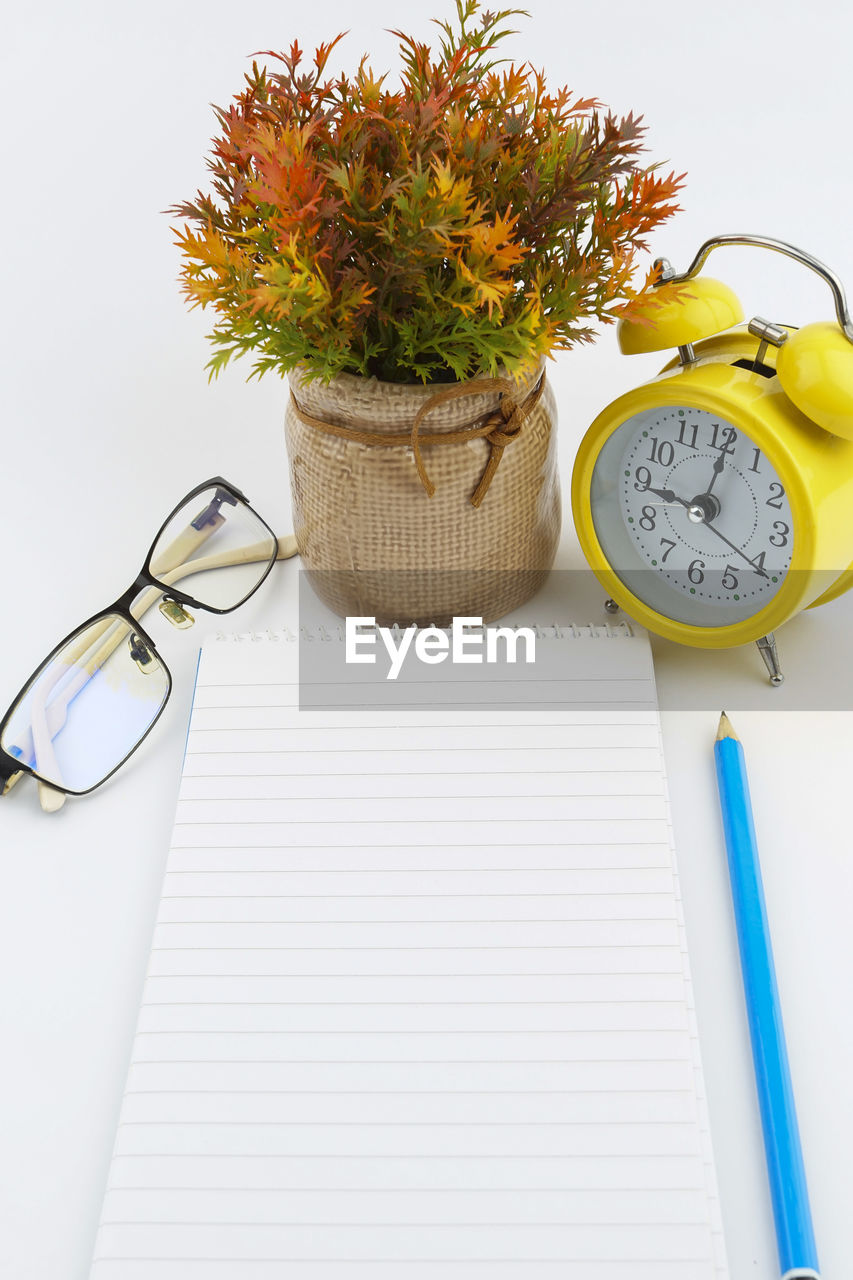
729 438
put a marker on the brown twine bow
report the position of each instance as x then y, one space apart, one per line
499 428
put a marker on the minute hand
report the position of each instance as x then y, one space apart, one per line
755 567
666 495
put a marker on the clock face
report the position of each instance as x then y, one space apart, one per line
692 516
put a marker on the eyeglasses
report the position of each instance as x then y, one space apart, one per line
94 699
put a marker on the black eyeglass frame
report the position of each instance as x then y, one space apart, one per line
9 765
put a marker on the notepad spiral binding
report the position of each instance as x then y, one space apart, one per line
552 631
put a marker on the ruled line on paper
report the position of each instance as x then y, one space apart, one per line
437 681
420 1222
396 897
575 795
386 822
552 844
515 919
398 1124
587 973
568 946
124 1186
398 750
365 871
343 1155
384 1004
382 1061
386 724
498 773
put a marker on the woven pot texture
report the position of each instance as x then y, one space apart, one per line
371 539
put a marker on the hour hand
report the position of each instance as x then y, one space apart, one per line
718 466
666 495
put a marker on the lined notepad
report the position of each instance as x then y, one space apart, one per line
418 1003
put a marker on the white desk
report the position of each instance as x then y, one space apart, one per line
80 890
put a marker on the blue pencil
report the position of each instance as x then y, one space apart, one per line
787 1175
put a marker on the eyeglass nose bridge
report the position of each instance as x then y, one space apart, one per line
143 582
172 606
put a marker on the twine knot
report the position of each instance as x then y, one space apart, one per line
498 428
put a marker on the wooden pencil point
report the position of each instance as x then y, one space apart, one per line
725 729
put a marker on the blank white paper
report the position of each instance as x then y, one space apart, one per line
418 1001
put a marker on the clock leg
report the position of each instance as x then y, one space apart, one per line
767 649
610 606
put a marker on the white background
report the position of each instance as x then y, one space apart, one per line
108 419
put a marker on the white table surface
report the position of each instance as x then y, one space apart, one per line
108 420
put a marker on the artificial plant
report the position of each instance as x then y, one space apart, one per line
467 220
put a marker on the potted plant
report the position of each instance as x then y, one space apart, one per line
409 256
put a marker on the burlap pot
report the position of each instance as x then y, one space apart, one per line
371 538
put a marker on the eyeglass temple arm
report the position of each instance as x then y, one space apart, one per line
222 560
48 719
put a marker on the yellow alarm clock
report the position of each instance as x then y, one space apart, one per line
716 501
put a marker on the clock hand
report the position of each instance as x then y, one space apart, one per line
666 495
755 567
718 466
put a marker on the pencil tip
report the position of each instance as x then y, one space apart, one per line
725 729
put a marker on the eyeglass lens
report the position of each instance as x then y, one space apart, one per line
214 548
87 708
90 704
